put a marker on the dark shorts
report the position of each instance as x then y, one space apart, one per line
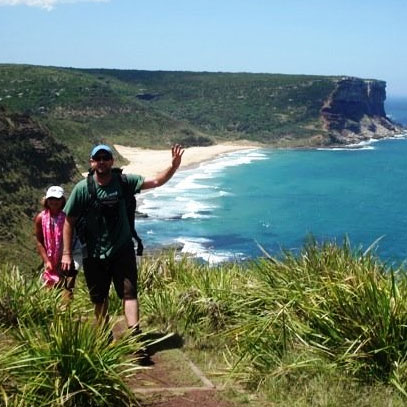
121 268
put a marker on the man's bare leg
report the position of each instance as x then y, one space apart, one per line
131 312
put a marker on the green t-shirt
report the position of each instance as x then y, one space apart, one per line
106 232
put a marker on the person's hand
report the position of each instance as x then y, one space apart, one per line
66 262
48 265
177 152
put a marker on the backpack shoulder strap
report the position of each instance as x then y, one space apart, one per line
117 170
81 223
131 208
91 185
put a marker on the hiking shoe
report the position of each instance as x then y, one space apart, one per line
143 358
136 331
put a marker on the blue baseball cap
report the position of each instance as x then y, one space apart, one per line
101 147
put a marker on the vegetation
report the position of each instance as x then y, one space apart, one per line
57 357
31 160
261 107
155 109
326 327
81 109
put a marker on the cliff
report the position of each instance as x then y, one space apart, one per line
354 112
31 160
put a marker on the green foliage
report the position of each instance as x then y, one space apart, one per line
156 109
83 109
330 307
191 140
51 352
69 362
261 107
338 303
188 298
31 160
22 299
317 328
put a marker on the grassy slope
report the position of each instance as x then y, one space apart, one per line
323 328
156 109
82 109
261 107
31 161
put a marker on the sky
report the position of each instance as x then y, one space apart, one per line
363 38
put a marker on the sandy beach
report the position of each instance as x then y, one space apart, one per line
149 162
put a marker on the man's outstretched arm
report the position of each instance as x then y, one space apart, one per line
166 175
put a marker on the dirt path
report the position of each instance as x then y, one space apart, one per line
192 398
172 379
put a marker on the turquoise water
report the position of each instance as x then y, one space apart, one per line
227 207
396 108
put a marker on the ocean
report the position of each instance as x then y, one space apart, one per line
241 203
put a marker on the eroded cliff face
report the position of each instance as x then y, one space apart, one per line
355 111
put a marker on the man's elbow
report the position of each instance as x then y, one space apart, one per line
151 183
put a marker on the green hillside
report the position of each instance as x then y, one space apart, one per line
32 160
156 109
82 109
261 107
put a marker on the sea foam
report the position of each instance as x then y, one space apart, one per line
192 194
200 248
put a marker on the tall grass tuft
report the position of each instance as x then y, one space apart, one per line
189 298
70 362
334 303
329 305
22 298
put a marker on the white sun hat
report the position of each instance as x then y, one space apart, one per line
54 192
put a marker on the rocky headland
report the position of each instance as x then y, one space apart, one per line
354 112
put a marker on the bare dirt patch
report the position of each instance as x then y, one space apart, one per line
172 379
188 399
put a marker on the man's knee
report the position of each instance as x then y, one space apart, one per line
129 289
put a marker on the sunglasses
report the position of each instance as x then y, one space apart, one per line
102 158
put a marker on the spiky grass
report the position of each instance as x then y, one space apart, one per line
328 310
329 302
22 298
70 362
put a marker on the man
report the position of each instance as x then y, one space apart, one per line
110 251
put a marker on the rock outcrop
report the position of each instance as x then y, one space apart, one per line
355 112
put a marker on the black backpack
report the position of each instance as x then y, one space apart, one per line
131 204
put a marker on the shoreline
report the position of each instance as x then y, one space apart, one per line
148 162
199 248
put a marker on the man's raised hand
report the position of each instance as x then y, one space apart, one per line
177 152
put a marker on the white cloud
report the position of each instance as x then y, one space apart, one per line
46 4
